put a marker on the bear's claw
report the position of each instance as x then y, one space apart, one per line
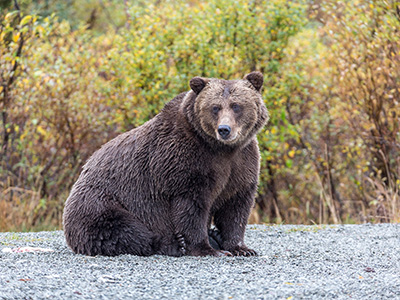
181 243
223 253
244 252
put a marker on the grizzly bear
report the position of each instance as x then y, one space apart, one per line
157 188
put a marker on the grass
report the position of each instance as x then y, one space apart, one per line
17 237
298 228
310 228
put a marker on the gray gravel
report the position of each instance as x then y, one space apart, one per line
295 262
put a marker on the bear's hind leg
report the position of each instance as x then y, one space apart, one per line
111 233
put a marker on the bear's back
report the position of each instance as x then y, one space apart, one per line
123 169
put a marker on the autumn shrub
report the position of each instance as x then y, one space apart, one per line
54 116
334 145
73 90
329 153
365 71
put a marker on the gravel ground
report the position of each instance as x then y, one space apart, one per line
295 262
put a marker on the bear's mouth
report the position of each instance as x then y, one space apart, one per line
229 139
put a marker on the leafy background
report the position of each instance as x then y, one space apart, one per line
74 74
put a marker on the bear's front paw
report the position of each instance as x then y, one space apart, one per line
223 253
242 251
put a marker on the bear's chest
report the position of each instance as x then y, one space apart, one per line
222 170
234 173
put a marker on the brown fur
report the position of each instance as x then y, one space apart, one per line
157 188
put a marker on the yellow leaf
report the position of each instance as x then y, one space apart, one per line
25 20
9 15
41 130
22 137
291 153
16 37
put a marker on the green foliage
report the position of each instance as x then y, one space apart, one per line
333 144
76 73
99 15
365 74
75 89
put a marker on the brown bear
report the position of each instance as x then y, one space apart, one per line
157 188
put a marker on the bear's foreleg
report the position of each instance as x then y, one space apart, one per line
231 220
190 220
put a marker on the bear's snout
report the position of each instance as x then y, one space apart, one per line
224 131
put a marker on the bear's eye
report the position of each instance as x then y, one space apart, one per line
236 107
215 109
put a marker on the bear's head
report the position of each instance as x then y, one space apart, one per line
226 112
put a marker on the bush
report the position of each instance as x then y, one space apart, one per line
332 153
70 83
74 90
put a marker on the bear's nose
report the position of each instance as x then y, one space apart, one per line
224 131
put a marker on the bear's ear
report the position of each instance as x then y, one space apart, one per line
198 83
256 79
